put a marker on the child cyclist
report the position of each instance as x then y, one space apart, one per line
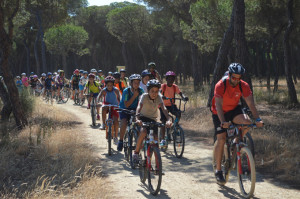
130 99
147 112
83 80
111 96
145 78
49 83
93 88
169 90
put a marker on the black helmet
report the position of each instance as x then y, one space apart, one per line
145 73
135 77
152 64
116 75
123 70
153 83
236 68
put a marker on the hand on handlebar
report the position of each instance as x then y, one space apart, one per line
259 124
139 122
185 98
225 125
168 124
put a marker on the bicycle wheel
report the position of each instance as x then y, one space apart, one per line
246 173
109 139
167 132
64 95
142 165
155 171
224 162
132 140
178 141
247 139
125 146
93 112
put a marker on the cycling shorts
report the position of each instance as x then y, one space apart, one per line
145 119
81 87
75 87
229 116
173 110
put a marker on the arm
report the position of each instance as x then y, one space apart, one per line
250 102
219 106
131 100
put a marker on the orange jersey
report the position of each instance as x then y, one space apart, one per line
120 86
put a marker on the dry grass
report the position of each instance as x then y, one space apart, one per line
277 144
49 159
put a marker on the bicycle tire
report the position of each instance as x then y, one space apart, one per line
132 139
126 146
64 98
142 165
224 162
250 162
155 188
164 148
93 113
178 133
247 139
109 139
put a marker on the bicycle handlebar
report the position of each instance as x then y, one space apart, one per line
176 98
127 111
152 124
243 125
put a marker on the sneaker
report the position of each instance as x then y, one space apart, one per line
135 158
120 145
163 143
220 178
115 140
102 127
89 106
98 117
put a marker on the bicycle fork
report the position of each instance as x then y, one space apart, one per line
239 161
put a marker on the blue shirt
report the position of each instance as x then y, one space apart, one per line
19 83
127 94
111 97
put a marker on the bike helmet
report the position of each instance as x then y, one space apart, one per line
35 76
32 73
110 73
135 77
23 74
55 73
91 75
99 71
123 70
81 71
85 72
236 68
153 83
109 79
49 74
93 70
170 73
151 65
43 75
76 71
61 71
18 77
116 75
145 73
58 71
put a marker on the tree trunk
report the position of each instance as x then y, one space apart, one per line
64 60
6 110
195 67
36 54
276 65
287 55
241 51
143 53
269 66
222 56
6 45
41 33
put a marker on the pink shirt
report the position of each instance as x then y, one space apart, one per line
25 81
169 92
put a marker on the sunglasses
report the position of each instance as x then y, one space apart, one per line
236 78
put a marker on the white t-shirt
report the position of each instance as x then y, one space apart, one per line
143 86
150 106
83 80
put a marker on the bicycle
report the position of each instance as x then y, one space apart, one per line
238 155
93 107
77 100
63 95
130 137
176 131
150 164
49 96
109 125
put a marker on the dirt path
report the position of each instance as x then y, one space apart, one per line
188 177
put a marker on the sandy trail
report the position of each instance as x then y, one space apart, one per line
188 177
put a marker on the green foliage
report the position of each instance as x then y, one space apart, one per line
27 102
66 38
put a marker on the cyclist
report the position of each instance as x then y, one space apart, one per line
154 73
145 78
101 77
130 99
147 112
226 108
35 82
81 72
123 78
25 80
111 95
49 82
19 83
94 71
93 88
169 90
120 85
60 81
75 82
83 80
110 73
31 76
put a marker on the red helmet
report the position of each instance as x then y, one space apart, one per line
109 79
76 71
170 73
91 75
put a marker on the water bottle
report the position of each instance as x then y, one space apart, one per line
151 137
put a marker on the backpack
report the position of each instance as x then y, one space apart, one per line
164 88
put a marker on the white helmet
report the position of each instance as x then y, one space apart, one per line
93 70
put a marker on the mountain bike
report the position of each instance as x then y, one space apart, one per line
175 133
94 106
237 155
77 100
130 137
150 164
49 96
64 95
109 125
